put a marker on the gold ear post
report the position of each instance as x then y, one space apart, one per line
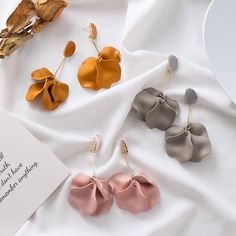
92 29
124 150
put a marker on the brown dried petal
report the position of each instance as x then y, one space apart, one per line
69 49
10 44
49 10
3 33
42 74
38 26
21 16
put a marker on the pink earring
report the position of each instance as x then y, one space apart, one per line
134 193
91 195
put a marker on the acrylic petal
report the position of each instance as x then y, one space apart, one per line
88 72
42 74
201 142
109 53
108 72
161 116
179 144
132 198
90 195
149 189
34 91
135 194
59 92
47 98
119 182
143 102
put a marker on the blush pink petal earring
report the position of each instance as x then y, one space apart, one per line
91 195
134 193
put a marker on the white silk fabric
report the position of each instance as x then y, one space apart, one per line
196 198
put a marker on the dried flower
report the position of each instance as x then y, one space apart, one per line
49 10
26 20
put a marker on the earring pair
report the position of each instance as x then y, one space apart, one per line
189 143
94 73
94 196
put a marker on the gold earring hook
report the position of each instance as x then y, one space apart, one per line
93 148
124 150
92 29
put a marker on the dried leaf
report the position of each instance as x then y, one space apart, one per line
69 49
42 74
3 33
38 26
49 10
9 44
21 16
93 31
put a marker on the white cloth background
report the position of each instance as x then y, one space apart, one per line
196 198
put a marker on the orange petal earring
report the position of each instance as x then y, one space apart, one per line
53 91
101 71
91 195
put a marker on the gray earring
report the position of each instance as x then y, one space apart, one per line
153 107
189 143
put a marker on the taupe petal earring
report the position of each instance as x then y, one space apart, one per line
155 108
189 143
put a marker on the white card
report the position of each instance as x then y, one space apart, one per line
29 174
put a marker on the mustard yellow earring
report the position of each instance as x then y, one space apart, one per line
53 91
101 71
